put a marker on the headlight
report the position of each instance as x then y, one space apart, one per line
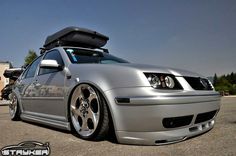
163 81
169 82
154 81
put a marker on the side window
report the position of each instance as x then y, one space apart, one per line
24 73
33 67
52 55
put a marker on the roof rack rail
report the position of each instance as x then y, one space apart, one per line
104 50
42 50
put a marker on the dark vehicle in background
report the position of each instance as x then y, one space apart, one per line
13 75
6 91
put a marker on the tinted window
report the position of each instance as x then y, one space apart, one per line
89 56
33 67
24 73
52 55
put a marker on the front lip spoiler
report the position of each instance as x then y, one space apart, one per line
164 142
164 137
167 99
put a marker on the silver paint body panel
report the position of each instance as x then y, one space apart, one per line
45 99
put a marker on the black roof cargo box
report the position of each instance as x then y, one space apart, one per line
12 73
77 37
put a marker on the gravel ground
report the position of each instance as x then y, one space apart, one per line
221 140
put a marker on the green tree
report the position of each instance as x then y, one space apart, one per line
30 57
215 80
226 83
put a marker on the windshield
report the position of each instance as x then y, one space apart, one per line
77 55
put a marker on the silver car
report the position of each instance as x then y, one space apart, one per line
91 92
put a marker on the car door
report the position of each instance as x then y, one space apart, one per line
26 86
49 100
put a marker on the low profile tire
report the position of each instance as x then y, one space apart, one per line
14 109
89 113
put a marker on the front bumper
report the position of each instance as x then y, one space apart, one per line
163 137
138 116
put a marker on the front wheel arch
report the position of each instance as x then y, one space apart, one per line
99 90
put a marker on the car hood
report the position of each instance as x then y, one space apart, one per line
108 76
160 69
137 67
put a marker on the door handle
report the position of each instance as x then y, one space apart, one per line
36 84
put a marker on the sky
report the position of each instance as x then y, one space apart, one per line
196 35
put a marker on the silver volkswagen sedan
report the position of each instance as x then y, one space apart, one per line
85 89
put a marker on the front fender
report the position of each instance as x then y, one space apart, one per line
108 76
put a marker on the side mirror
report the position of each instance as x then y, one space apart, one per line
50 64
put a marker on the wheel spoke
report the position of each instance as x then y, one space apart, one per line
84 126
12 100
81 96
13 106
75 111
78 94
91 97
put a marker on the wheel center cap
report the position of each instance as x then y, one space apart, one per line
85 104
84 108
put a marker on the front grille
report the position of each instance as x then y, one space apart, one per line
175 122
205 116
198 83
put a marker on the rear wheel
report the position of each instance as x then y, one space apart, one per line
89 113
14 109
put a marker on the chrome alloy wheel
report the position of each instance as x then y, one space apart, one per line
13 106
85 110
